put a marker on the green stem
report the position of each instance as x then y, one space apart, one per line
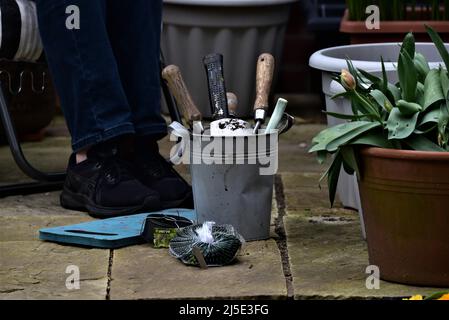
372 109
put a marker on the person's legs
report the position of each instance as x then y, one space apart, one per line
134 31
96 108
85 71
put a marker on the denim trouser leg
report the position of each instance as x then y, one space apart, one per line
87 74
136 46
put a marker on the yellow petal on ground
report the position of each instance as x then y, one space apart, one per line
444 297
417 297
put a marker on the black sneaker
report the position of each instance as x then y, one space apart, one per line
104 186
158 174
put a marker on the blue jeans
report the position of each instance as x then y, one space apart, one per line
106 72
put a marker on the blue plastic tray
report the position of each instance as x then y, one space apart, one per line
108 233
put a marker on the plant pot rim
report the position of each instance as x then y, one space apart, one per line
325 61
400 26
404 154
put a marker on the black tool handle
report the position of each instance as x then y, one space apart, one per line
216 83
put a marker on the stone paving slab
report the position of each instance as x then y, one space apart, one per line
141 272
43 204
302 191
326 253
37 270
26 228
328 257
293 150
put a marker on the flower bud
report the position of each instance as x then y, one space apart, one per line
347 80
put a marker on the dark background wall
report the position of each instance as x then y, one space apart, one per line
313 25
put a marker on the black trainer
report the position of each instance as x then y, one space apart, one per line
104 186
156 173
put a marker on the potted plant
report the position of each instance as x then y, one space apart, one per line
396 18
366 57
396 139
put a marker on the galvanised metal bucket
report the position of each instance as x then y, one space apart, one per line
232 180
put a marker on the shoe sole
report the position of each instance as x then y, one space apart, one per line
176 203
73 201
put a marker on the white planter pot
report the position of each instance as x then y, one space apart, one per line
238 29
367 57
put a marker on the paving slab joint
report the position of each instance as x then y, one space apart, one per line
281 240
108 287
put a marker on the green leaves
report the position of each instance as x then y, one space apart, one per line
332 138
408 76
332 176
399 125
413 114
421 143
421 66
439 44
408 108
443 135
408 45
381 100
433 91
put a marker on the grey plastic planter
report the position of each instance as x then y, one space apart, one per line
239 29
367 57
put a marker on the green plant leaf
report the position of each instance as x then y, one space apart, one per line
350 160
408 108
443 124
408 45
421 143
333 175
381 100
321 156
432 89
384 77
368 106
328 135
342 115
399 125
431 116
373 138
420 94
444 83
347 137
422 66
392 92
408 77
439 44
395 92
374 79
352 70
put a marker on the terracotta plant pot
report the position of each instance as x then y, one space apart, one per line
391 31
405 201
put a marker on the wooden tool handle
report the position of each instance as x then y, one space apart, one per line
264 78
178 88
233 103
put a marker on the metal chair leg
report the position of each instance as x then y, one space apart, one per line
44 181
